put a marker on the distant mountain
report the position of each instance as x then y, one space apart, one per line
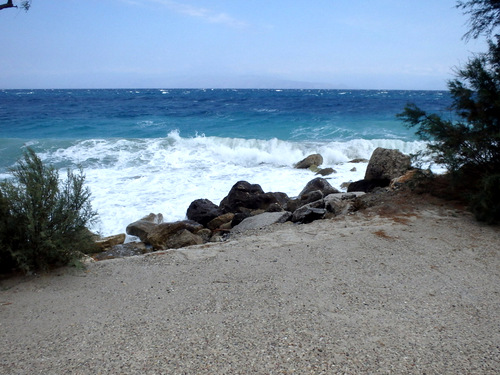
249 82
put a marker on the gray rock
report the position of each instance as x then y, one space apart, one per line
261 221
341 203
308 213
386 164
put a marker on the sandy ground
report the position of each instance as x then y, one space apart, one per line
390 291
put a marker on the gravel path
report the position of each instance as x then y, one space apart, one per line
410 293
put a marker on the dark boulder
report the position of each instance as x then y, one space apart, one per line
202 211
367 185
304 199
239 217
320 184
245 197
309 213
386 164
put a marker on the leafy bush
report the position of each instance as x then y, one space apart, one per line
43 220
486 202
469 145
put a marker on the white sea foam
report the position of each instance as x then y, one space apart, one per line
130 178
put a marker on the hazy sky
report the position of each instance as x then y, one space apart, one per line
359 44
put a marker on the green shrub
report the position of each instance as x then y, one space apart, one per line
486 202
469 143
43 220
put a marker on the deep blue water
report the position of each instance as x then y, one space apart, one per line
158 150
295 115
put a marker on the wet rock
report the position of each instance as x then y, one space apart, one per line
309 161
359 160
142 227
326 171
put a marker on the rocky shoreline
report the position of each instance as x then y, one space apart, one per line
408 284
247 207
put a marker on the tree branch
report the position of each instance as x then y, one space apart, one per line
8 4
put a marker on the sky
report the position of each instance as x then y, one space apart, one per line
344 44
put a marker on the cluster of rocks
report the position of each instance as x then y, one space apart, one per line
247 206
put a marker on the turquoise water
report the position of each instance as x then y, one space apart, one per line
157 150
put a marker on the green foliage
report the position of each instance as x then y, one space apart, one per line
469 143
484 16
486 202
43 220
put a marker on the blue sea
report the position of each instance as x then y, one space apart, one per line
157 150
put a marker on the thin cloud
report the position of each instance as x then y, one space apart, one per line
204 14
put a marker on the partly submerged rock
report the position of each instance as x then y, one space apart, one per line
309 161
325 171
